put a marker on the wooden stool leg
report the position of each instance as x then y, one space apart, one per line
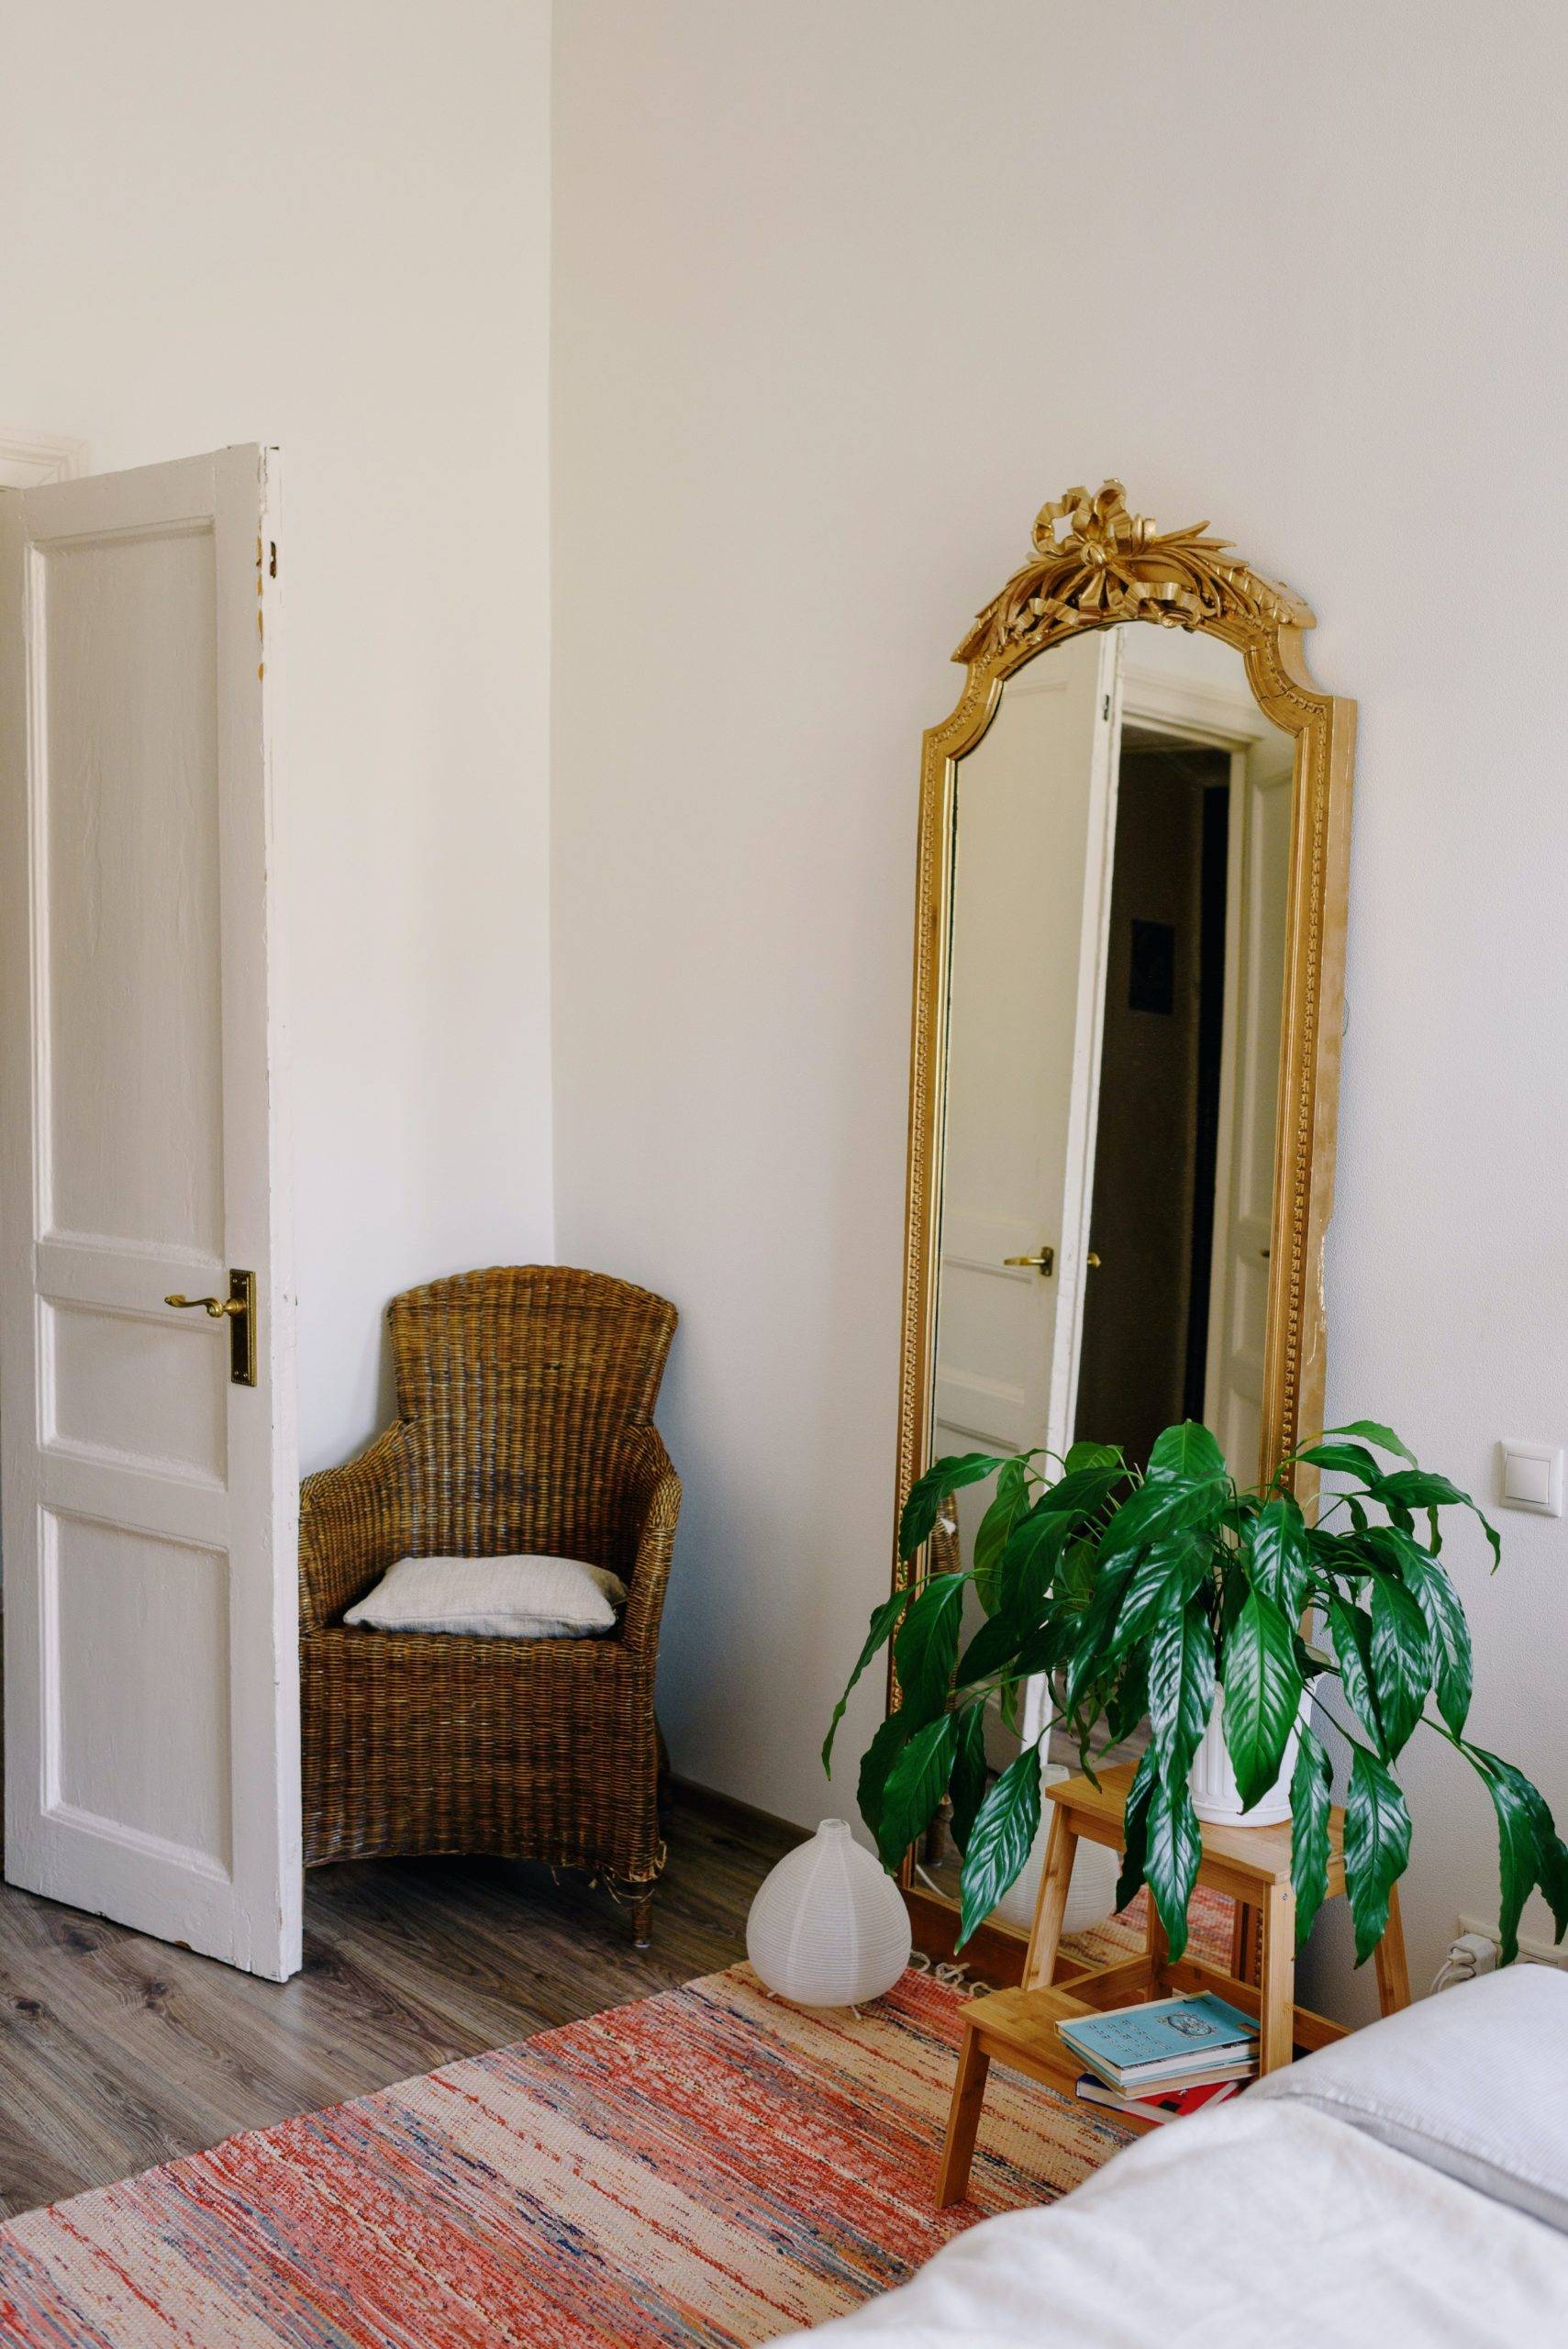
963 2120
1277 2013
1393 1975
1040 1964
1157 1943
1244 1943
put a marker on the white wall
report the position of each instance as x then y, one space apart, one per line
842 294
326 224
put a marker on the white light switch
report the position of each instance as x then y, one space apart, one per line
1532 1477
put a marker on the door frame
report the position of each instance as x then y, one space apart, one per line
29 460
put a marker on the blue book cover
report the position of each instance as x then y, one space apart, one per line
1190 2031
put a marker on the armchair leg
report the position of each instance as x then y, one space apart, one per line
641 1897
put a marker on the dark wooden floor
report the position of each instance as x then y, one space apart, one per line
116 2052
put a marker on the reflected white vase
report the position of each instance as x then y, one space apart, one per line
1091 1896
828 1927
1212 1779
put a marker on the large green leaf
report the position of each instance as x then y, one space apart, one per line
1048 1645
1028 1562
1084 1490
1173 1847
1091 1455
1187 1452
1163 1581
1420 1488
992 1534
1428 1584
1349 1629
1096 1627
1279 1556
1310 1801
1374 1431
893 1734
1262 1695
1181 1688
970 1775
882 1619
1000 1840
1529 1850
1377 1845
1343 1460
926 1647
927 1496
1075 1574
915 1785
1401 1659
993 1649
1135 1830
1158 1509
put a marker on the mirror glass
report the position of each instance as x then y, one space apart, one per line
1121 862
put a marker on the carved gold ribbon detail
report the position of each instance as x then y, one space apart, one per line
1109 564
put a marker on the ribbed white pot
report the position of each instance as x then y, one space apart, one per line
828 1927
1212 1779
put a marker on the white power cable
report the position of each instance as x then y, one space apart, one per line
1471 1955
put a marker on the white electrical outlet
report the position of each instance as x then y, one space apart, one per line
1538 1953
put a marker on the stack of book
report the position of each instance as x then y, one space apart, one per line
1164 2059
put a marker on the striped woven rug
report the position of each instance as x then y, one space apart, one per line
706 2168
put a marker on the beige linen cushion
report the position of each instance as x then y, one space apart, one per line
506 1598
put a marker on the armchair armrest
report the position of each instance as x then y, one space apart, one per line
354 1524
649 1501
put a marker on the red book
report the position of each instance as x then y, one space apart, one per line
1157 2107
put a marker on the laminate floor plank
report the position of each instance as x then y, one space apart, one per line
116 2052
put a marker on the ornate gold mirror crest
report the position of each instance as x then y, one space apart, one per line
1098 566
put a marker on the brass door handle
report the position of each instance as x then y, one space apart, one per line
1092 1260
1043 1261
239 1309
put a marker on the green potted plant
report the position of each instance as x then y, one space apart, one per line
1157 1594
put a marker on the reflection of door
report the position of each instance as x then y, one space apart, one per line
1035 817
151 1712
1249 1094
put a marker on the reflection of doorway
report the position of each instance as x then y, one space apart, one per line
1142 1364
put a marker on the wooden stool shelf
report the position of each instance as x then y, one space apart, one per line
1017 2027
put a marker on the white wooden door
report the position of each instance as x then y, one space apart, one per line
1031 877
1257 881
151 1676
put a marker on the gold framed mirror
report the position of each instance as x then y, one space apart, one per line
1128 1001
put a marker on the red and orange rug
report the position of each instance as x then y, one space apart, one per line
708 2168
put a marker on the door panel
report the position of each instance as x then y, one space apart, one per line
152 1696
131 1018
1035 817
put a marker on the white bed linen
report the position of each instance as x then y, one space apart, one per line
1252 2226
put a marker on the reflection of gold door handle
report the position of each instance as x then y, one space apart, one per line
239 1309
1043 1261
1092 1260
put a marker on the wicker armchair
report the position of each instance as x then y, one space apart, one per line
525 1398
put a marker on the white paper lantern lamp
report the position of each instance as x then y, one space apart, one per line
828 1927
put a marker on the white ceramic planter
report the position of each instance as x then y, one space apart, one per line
1212 1779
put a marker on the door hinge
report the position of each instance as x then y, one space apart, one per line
271 558
1105 713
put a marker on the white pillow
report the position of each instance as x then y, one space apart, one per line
506 1598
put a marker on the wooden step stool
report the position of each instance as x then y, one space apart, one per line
1251 1863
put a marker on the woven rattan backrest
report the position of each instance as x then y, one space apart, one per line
518 1383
